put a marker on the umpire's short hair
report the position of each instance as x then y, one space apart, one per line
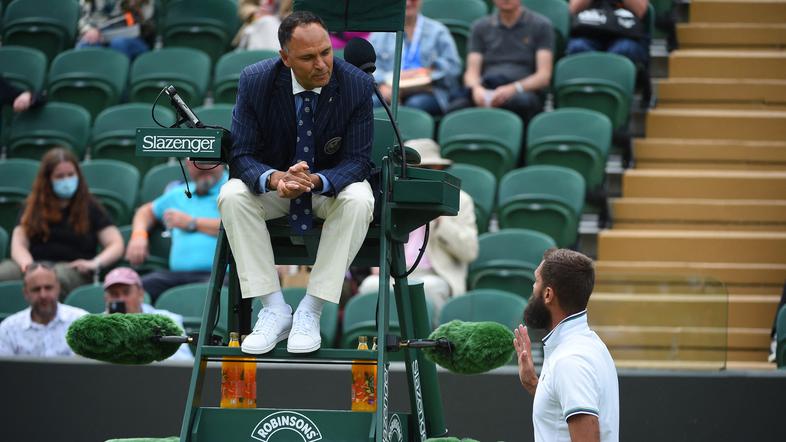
292 21
571 275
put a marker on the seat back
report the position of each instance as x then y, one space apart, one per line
457 16
115 184
47 25
205 25
500 266
12 299
599 81
114 133
18 176
185 68
94 78
227 72
489 138
548 199
88 297
558 14
578 139
780 333
485 305
481 185
157 179
413 123
216 115
55 124
360 315
24 67
3 243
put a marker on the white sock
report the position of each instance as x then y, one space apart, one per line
275 301
312 304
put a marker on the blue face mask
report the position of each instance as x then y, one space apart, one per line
65 188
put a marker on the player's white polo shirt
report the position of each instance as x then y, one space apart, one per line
578 376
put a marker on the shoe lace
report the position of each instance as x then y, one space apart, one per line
265 322
305 323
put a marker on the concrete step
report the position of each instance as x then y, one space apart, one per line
729 92
738 11
698 214
732 35
692 246
716 63
677 153
717 124
704 184
744 279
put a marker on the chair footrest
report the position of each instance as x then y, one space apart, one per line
324 355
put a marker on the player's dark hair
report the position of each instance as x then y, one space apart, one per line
572 277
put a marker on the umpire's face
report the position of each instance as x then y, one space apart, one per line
310 55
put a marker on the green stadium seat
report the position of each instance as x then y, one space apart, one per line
115 184
485 305
328 322
598 81
227 72
4 239
578 139
558 14
186 300
12 299
47 25
36 131
488 138
457 16
90 297
94 78
216 115
360 318
206 25
503 267
780 332
114 133
413 123
157 179
481 185
549 199
18 176
185 68
24 67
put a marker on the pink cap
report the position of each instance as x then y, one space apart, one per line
122 275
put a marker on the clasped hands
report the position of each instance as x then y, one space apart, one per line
295 181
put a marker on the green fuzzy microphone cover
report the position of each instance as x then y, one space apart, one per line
477 346
122 338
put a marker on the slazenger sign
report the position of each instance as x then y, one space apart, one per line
195 143
286 420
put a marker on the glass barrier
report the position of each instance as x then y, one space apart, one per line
661 321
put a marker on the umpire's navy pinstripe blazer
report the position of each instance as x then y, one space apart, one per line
264 131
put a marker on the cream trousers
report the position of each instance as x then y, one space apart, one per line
243 213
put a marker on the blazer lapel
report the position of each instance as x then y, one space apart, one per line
326 104
285 102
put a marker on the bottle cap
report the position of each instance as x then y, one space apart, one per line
362 340
234 335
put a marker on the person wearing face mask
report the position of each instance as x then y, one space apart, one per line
194 224
62 223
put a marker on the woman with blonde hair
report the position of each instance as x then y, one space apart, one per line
63 224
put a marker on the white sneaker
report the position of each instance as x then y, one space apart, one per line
304 337
271 328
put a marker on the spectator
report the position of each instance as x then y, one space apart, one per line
340 39
40 329
636 49
135 15
62 223
195 223
510 60
430 64
261 19
21 100
452 245
122 285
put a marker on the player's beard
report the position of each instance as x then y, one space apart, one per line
536 315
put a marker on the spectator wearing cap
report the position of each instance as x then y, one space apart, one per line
452 243
194 224
123 285
40 329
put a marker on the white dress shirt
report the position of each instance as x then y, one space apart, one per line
20 335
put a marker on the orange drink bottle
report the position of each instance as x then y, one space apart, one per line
249 376
364 382
231 377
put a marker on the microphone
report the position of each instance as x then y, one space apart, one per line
360 53
182 108
476 347
124 338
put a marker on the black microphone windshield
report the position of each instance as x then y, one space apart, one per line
122 338
360 53
477 347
